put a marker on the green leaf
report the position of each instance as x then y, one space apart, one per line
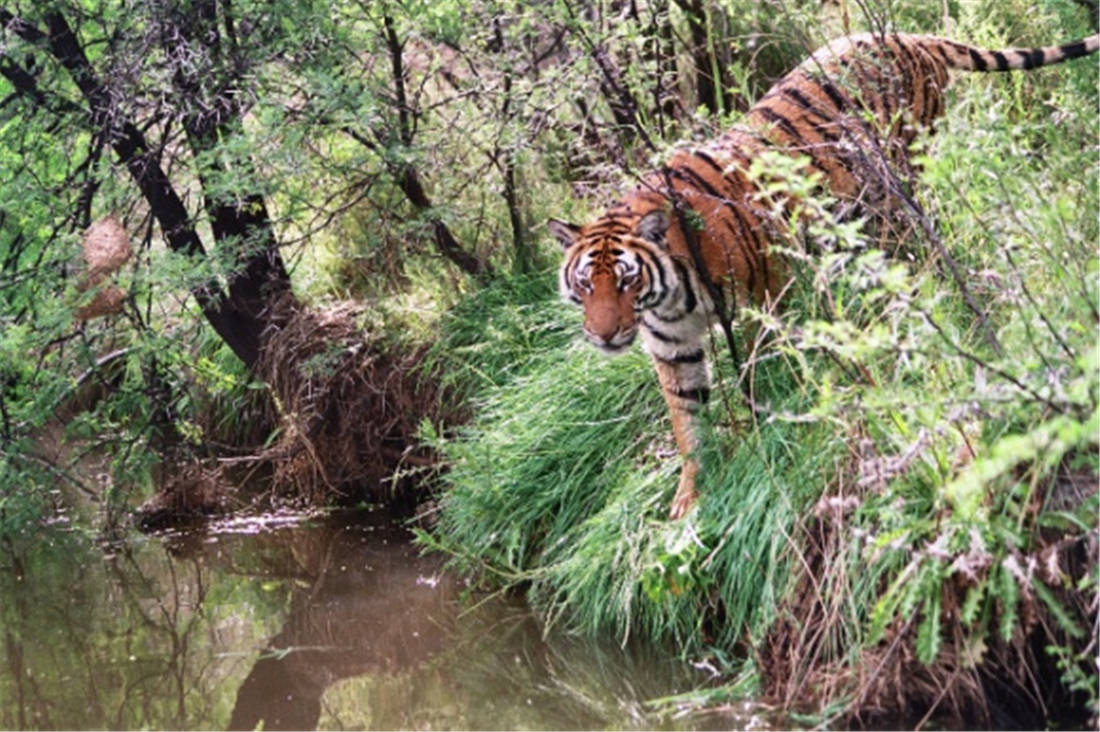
1058 610
928 632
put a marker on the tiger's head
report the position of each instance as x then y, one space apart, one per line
614 268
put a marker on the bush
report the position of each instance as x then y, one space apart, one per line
907 524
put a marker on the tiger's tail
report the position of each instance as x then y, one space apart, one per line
969 58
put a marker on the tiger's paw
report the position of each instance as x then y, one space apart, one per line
682 503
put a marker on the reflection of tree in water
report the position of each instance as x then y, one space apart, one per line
356 630
101 644
370 604
381 619
513 677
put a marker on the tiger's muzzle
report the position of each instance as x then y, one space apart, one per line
614 344
609 318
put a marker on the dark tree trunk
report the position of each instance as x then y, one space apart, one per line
238 317
406 176
242 221
710 71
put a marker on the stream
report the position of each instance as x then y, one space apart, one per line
292 622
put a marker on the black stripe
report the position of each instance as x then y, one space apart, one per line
689 357
903 61
880 79
571 272
867 92
978 59
929 89
669 319
649 265
701 394
745 236
800 143
1074 50
943 55
745 231
717 168
939 82
1002 61
834 95
607 226
905 50
805 104
779 120
909 58
690 176
706 158
685 282
1032 58
659 335
796 96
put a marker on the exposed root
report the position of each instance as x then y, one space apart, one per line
807 659
192 490
349 409
346 415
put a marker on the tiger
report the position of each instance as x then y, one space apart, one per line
633 269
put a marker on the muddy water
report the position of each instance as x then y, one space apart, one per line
285 623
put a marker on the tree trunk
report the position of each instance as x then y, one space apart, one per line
406 176
239 316
242 221
710 74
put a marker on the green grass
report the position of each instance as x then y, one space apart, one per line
948 459
561 485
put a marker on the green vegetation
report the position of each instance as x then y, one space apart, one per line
912 495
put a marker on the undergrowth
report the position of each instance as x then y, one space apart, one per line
905 527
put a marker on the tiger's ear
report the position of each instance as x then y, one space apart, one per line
566 233
653 227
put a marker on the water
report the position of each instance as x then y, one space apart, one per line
280 623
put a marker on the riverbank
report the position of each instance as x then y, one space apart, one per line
350 297
904 526
855 566
297 621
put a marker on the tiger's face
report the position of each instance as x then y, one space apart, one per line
614 272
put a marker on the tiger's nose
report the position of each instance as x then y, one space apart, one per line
601 337
601 322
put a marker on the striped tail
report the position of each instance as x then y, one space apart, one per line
961 56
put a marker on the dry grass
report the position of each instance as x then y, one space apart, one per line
806 660
349 409
346 411
105 248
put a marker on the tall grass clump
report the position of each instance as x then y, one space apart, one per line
560 483
903 528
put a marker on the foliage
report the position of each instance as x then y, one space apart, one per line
907 474
918 461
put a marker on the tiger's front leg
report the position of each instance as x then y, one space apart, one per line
682 373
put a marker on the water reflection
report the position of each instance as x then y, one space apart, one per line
334 623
